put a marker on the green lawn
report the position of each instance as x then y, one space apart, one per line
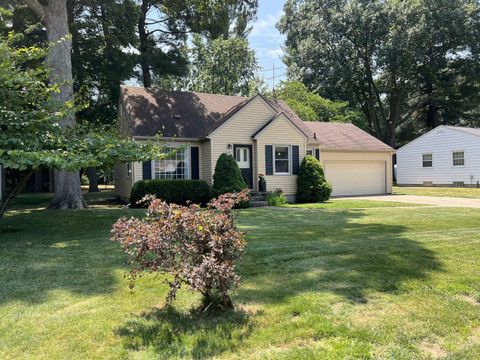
473 193
378 283
350 204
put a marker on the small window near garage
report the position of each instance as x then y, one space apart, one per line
282 160
458 158
427 160
310 152
128 169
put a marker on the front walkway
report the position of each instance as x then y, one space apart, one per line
424 200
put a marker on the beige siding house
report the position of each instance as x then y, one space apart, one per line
265 137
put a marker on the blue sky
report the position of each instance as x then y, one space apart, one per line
266 40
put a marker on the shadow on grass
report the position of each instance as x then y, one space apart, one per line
305 251
191 334
46 250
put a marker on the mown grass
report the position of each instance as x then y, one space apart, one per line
350 204
378 283
472 193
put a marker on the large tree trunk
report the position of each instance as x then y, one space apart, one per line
144 46
68 192
92 180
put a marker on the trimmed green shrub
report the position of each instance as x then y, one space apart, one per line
276 198
227 177
171 191
312 186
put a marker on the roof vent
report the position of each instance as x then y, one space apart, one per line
177 116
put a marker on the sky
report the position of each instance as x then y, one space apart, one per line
266 40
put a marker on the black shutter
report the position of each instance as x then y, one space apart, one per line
317 154
268 160
295 159
194 160
147 170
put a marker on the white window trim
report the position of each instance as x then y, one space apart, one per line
458 151
187 159
289 160
427 167
128 172
309 152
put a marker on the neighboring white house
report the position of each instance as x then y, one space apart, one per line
445 156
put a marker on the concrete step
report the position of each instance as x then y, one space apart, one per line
257 203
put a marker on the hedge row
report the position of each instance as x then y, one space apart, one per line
172 191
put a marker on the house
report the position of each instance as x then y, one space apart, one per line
444 156
265 137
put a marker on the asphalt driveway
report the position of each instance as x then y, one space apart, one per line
426 200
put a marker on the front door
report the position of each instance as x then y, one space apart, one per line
243 155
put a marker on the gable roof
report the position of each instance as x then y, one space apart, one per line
466 130
278 115
471 131
177 113
344 136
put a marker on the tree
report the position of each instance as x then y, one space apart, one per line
164 25
310 106
311 183
30 135
227 177
54 17
400 62
222 66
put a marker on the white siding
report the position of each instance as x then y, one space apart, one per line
441 143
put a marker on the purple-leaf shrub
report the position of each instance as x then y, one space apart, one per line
197 247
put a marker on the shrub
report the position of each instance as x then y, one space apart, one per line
179 192
312 185
197 247
227 177
276 198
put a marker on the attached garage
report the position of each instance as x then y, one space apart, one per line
355 163
356 177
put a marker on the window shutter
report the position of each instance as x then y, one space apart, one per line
147 170
268 160
317 154
194 161
295 159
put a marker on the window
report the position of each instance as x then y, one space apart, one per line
427 160
128 169
310 152
282 160
173 167
458 158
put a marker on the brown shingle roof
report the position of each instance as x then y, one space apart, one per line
195 115
177 113
343 136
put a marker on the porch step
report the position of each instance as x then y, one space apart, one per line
258 196
258 203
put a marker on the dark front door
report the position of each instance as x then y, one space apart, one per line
243 155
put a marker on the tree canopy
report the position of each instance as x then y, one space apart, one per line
405 63
310 106
31 137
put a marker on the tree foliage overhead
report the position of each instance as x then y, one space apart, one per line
164 25
404 63
310 106
30 135
222 66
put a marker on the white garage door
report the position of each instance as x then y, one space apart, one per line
356 177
